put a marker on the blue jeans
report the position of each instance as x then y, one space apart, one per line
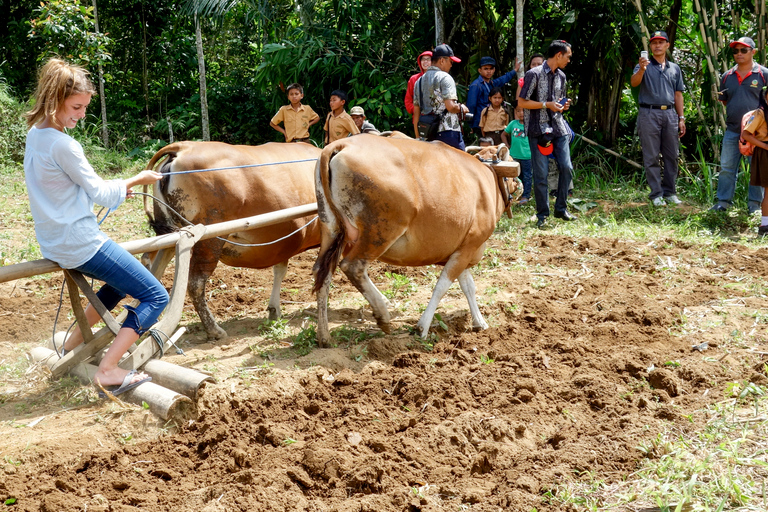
526 176
562 153
730 160
125 275
452 138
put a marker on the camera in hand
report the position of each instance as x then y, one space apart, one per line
467 116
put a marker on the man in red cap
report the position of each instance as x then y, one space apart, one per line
660 118
435 100
740 89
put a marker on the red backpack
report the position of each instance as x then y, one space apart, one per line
745 147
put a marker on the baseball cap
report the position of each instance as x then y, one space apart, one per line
487 61
443 50
545 144
357 111
746 41
659 34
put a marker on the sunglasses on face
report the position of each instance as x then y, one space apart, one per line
737 51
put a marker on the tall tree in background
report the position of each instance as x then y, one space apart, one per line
102 96
203 87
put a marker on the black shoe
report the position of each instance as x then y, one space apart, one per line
541 223
762 232
718 208
565 216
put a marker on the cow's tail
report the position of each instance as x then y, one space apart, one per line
329 256
172 150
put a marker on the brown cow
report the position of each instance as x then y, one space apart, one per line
408 203
218 196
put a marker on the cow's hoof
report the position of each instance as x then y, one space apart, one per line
274 314
217 333
384 326
479 327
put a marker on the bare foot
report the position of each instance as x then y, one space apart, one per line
115 376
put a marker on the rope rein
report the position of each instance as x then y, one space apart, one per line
238 167
180 216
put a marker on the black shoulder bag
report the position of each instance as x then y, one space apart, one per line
428 123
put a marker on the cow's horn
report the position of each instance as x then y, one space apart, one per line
472 149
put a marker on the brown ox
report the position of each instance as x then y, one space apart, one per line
218 196
408 203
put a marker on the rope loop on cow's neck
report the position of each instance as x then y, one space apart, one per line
171 173
189 223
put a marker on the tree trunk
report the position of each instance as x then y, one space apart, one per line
201 68
519 35
674 18
439 22
144 74
104 129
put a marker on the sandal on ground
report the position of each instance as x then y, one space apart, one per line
127 385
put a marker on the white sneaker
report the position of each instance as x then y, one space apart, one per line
673 200
659 201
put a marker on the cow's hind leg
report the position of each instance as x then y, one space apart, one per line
279 272
468 287
455 267
357 272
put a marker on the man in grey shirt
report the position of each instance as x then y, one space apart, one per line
740 90
435 92
660 119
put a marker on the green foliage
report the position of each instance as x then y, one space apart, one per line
306 340
12 126
68 29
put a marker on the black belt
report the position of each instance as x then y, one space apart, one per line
656 107
495 132
305 139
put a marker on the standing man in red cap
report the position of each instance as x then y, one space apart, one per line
434 95
544 99
660 118
740 90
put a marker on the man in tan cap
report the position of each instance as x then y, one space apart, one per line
358 116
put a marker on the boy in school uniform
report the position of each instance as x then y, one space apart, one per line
494 118
296 118
338 124
477 97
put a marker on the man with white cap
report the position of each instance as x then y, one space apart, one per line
435 95
740 89
660 118
358 116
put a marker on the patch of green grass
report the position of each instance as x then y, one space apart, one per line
722 466
305 340
400 285
352 336
274 329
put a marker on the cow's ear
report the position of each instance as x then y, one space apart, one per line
502 152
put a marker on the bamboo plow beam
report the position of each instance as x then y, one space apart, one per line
44 266
163 402
177 378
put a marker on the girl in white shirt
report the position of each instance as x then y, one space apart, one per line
63 188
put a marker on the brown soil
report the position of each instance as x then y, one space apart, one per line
589 354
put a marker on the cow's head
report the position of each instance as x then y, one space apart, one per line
497 158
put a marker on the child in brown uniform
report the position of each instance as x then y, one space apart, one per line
756 133
339 124
296 118
494 118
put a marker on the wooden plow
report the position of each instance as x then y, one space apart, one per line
173 392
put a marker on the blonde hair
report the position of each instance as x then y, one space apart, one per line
57 81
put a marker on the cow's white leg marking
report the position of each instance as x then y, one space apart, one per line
279 272
357 272
443 283
468 287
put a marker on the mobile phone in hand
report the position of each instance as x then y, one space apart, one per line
644 54
563 101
